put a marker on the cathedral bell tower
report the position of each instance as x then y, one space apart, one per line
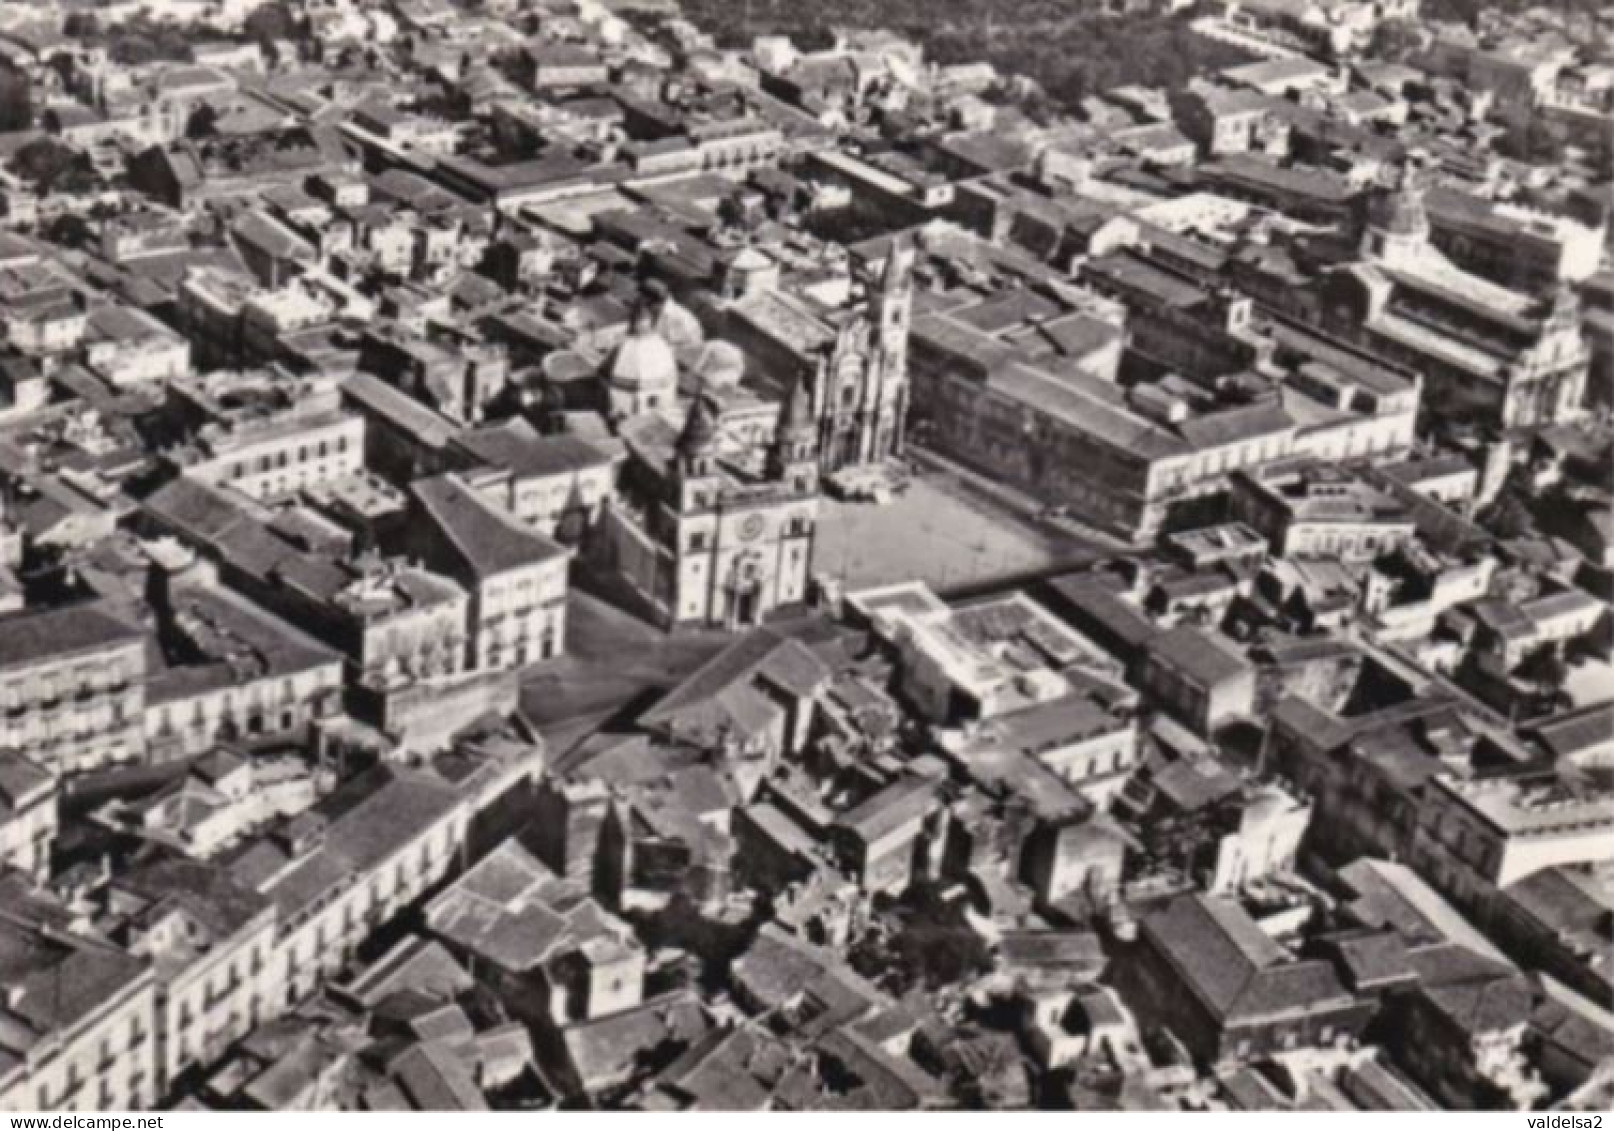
695 453
891 307
793 455
891 312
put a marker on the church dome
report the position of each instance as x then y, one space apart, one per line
720 365
678 325
644 361
749 259
1267 805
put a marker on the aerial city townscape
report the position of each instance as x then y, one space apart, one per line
566 554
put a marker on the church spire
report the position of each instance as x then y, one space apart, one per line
698 437
795 439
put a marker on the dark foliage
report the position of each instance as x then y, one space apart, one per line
49 166
16 100
1068 49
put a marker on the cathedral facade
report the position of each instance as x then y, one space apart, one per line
860 387
1487 353
853 362
704 538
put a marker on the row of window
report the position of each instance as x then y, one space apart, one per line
273 461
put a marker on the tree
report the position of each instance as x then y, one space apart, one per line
82 26
202 122
16 100
47 164
1068 50
69 230
1534 142
1546 669
270 22
142 40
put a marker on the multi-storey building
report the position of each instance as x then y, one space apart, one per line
1307 508
516 576
80 1014
1051 426
267 434
72 687
252 674
1519 247
210 940
1492 833
129 347
396 623
1332 28
1026 385
339 871
28 818
1487 353
555 484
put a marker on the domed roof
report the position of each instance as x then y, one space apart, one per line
564 366
678 325
720 364
1267 804
749 258
643 361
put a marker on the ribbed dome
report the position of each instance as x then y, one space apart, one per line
644 361
720 365
1266 805
678 326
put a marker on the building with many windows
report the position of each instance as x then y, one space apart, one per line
516 576
28 818
266 433
72 687
79 1024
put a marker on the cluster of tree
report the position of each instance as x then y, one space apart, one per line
1069 50
16 100
48 165
1470 11
142 39
931 948
272 21
134 41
